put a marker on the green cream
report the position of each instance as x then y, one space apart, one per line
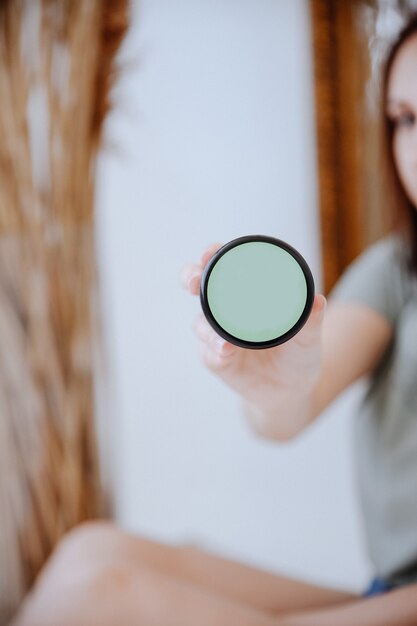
257 291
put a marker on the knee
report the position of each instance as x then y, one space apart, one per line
92 555
100 546
107 580
90 530
87 546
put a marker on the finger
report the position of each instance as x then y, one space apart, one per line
202 328
208 253
190 277
214 361
317 311
220 346
318 308
313 325
208 335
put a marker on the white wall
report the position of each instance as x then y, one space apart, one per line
213 138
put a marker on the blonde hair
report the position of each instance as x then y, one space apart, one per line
56 66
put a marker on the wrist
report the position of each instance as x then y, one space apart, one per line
281 423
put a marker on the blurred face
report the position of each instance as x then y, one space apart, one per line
401 108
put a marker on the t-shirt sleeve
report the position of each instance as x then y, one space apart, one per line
375 278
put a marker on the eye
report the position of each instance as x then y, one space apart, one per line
407 119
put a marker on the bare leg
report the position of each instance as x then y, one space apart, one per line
132 597
398 607
88 589
252 586
241 583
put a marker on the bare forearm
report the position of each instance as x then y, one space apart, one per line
395 608
284 422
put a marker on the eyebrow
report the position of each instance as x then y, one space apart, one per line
394 101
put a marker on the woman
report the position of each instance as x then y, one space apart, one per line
101 575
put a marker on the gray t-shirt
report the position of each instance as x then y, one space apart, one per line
385 430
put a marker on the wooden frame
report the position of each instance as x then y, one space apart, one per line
347 140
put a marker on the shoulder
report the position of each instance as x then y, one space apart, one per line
390 248
385 258
378 277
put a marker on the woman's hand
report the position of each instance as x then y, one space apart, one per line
272 381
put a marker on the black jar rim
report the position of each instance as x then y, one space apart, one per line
255 345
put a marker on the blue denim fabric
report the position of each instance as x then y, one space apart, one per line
377 585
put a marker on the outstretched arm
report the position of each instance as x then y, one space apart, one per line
397 607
